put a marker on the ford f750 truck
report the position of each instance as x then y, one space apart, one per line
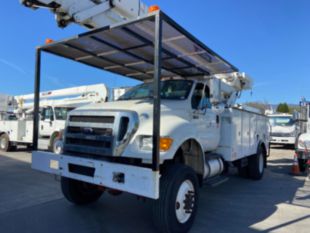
179 129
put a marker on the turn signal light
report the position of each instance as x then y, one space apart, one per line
49 41
165 144
154 8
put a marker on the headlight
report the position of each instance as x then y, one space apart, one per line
292 134
146 143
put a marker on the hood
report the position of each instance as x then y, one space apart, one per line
139 106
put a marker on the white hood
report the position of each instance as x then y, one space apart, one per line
140 106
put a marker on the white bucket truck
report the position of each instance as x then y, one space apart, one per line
165 138
16 123
284 129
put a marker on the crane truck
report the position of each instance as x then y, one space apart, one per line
16 124
178 130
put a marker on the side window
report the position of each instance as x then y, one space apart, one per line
205 102
47 114
197 95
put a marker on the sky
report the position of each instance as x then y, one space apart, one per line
269 40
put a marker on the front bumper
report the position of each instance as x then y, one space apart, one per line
132 179
283 140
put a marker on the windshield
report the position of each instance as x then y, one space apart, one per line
62 112
281 121
170 89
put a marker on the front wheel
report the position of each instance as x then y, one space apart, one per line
176 208
79 192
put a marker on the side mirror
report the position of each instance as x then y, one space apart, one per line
42 118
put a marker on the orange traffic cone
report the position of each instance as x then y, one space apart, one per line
295 171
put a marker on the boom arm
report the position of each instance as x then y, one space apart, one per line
90 13
75 96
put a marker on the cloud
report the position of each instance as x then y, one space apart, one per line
13 66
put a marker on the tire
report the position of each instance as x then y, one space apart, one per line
302 163
56 145
5 144
169 213
256 165
79 192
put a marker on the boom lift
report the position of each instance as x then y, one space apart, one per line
90 13
16 124
162 139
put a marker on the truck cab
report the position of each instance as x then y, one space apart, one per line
284 129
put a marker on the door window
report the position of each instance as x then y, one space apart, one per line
197 96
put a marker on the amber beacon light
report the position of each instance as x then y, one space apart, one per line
154 8
49 41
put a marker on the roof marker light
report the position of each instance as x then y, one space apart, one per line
154 8
49 41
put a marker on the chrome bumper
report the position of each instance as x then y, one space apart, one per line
132 179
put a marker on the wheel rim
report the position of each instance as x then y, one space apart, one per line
261 163
58 145
2 143
185 201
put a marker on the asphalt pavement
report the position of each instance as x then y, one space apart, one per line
32 202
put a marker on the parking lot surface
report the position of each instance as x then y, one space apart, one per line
32 202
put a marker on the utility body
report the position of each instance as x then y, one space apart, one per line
163 139
16 120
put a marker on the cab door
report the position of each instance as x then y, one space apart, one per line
46 122
206 121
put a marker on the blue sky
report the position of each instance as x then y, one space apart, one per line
269 40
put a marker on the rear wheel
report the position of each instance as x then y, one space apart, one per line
256 165
176 208
5 143
79 192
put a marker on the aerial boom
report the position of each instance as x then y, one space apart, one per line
90 13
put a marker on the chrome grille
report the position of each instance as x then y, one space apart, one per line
99 133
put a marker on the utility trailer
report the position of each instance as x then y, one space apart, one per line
16 122
165 138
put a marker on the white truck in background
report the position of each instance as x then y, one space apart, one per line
284 129
199 133
16 121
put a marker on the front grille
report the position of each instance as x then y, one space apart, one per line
93 119
90 134
281 134
98 134
95 131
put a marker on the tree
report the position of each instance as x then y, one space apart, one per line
283 108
